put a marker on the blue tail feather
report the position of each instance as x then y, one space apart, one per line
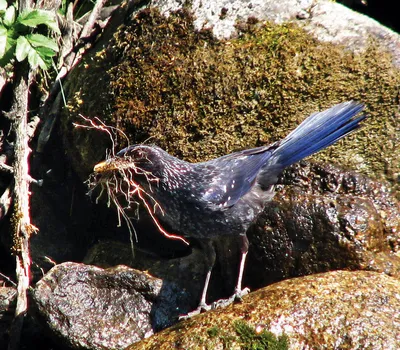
319 131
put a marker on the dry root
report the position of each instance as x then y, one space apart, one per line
120 186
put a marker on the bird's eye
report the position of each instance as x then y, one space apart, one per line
139 154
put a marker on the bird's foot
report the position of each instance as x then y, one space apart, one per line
239 293
203 307
236 297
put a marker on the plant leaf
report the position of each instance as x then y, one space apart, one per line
33 18
22 49
9 16
3 40
9 52
46 55
45 52
39 40
35 60
3 5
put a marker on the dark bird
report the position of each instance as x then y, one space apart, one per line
223 196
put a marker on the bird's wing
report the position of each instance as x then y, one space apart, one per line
233 175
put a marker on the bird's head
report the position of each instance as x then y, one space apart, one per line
130 177
138 159
132 168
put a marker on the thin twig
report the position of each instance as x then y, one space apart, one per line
8 279
6 197
94 15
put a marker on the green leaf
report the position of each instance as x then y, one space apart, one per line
39 40
40 57
3 5
46 55
3 40
22 49
33 18
9 52
45 52
35 60
9 16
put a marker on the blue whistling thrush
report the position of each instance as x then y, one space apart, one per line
223 196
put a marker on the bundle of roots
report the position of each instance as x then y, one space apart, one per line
115 177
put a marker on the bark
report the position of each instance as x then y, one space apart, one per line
22 227
17 195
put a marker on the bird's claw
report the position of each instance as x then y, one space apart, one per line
237 296
200 309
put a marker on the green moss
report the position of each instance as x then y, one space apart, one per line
252 340
162 82
213 332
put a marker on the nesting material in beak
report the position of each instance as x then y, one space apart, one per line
102 167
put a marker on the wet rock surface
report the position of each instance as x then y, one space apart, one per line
325 218
87 307
186 272
334 310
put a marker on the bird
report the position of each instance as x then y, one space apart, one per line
222 196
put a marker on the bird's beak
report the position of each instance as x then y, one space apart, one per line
105 166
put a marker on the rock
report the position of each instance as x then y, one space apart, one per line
322 219
328 21
334 310
187 272
87 307
8 297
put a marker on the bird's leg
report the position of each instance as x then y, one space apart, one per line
239 292
244 248
209 251
210 255
203 303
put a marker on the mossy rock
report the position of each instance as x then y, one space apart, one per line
334 310
164 83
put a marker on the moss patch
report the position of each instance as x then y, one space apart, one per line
252 340
160 80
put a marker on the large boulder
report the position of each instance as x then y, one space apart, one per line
335 310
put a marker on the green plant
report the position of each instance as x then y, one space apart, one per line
250 339
213 332
18 40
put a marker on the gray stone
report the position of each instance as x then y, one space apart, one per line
326 20
87 307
